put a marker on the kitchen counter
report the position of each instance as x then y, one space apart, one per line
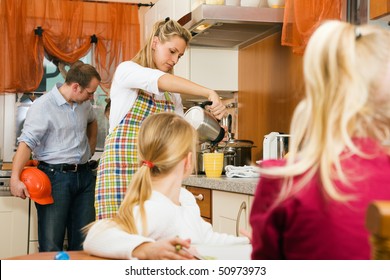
7 166
237 185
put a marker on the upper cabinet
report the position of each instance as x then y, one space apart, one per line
163 9
379 8
214 68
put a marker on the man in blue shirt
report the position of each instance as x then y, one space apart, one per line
61 130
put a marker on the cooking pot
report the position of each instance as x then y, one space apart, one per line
236 153
205 124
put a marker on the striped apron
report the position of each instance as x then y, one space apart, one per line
119 160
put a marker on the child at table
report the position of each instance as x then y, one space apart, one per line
156 205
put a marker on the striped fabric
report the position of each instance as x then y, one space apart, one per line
119 160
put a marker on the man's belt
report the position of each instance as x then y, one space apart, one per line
65 167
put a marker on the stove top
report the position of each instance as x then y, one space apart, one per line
5 177
5 173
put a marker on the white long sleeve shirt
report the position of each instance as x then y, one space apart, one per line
164 220
128 79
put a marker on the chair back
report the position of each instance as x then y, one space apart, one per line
378 224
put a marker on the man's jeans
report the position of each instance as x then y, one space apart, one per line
73 208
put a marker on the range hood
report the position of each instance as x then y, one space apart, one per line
231 26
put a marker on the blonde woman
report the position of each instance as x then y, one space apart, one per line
312 206
142 87
156 206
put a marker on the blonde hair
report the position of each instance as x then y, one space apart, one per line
343 69
164 30
164 139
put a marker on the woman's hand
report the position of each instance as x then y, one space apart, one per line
164 250
217 108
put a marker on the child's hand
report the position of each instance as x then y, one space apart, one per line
246 233
167 249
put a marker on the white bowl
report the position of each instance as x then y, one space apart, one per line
250 3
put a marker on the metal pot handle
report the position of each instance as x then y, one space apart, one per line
206 103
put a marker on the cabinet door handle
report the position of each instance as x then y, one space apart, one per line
242 208
199 197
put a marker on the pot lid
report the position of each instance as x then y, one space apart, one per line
236 143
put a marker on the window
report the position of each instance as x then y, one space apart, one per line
52 76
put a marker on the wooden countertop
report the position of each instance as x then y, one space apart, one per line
74 255
7 166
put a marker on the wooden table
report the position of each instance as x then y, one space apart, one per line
74 255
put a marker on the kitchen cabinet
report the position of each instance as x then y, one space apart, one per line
33 231
203 199
379 8
163 9
214 68
230 211
14 226
210 67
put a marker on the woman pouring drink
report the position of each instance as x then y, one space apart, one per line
141 87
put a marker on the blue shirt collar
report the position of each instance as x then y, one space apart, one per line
59 99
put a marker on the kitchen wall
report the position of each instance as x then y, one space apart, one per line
270 83
7 136
1 126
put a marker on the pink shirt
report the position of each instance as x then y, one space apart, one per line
308 226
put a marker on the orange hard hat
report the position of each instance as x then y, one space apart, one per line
38 185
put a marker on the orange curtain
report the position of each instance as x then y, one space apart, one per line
66 30
21 55
302 17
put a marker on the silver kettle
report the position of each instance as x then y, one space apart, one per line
206 124
275 145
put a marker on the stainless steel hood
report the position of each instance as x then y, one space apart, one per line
231 26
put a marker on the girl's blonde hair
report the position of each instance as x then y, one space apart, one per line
344 66
164 139
164 30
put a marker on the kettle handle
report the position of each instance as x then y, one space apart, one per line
205 103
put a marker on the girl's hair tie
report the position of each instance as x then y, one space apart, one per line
148 163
